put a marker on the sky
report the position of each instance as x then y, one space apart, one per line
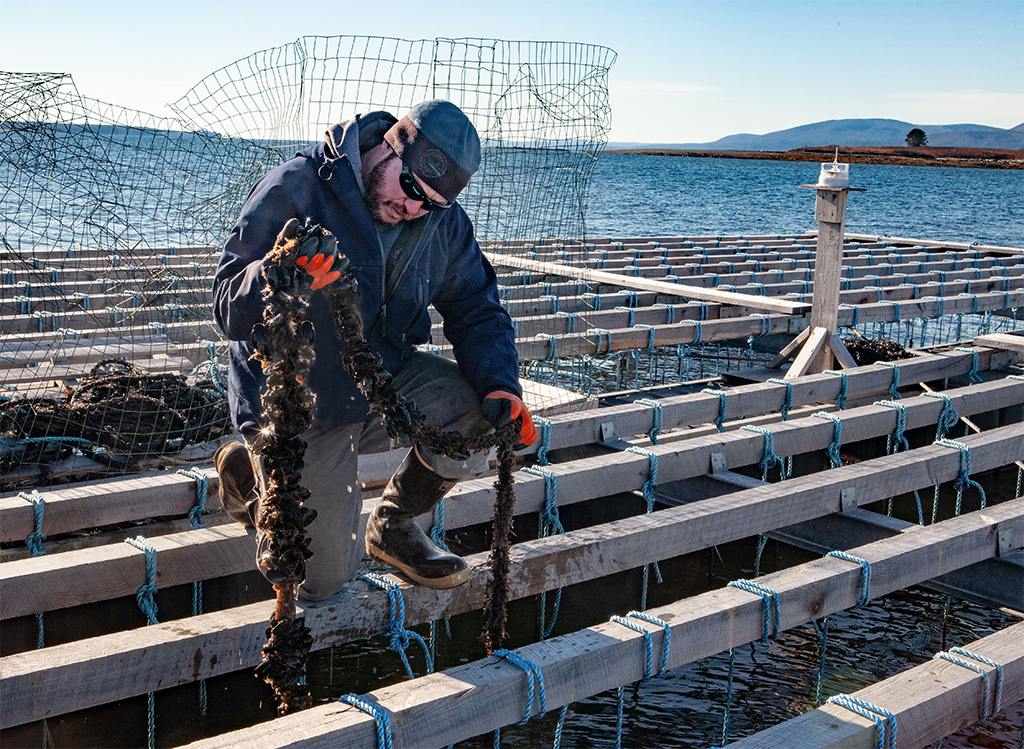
687 71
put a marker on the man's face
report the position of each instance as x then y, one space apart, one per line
385 198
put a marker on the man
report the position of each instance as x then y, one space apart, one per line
386 191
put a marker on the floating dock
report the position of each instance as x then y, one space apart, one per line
740 453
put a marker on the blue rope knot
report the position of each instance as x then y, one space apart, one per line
874 713
972 376
856 313
649 641
901 424
766 323
603 336
788 404
668 636
963 479
837 436
841 398
670 311
651 484
768 596
550 524
379 715
145 594
703 306
948 417
397 632
894 386
650 341
697 331
941 303
769 458
570 321
532 671
197 511
544 427
865 583
552 351
554 302
988 662
722 406
34 540
658 417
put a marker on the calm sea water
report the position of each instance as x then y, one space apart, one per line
685 196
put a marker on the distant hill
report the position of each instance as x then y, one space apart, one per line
856 132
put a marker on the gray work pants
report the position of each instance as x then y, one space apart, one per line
447 401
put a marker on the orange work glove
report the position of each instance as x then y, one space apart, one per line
501 407
317 255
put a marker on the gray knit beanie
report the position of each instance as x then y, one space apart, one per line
439 145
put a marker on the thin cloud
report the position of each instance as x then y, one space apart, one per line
980 104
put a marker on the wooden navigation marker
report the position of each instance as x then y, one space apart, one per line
819 346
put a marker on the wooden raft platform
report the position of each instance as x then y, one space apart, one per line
590 459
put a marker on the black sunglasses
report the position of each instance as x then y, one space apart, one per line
415 192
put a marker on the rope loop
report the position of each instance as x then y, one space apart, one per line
397 632
766 323
901 425
649 641
658 418
963 480
570 321
544 428
652 481
873 713
145 594
856 313
697 331
550 524
972 376
670 310
552 351
845 379
894 386
768 596
603 336
948 417
999 677
532 671
837 435
865 584
668 636
789 396
199 509
650 341
769 458
379 715
722 406
34 540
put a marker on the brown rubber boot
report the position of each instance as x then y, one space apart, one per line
237 489
393 537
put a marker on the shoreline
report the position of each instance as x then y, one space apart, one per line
972 158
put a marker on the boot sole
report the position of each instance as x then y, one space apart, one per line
437 583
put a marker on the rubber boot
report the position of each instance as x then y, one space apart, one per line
393 537
237 486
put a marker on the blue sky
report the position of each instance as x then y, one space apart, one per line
687 70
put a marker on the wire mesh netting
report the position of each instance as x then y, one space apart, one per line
112 218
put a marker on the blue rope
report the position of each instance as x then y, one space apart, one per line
844 381
632 314
999 676
550 525
379 715
865 583
769 458
897 439
648 490
977 669
544 428
768 596
822 631
532 671
972 376
873 713
570 321
728 697
948 417
658 418
552 352
697 331
144 596
603 336
671 310
837 436
963 480
398 633
722 406
195 515
648 641
894 387
34 542
789 396
856 313
650 341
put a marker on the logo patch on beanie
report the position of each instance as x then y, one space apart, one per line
431 164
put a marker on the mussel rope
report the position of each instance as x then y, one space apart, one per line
284 348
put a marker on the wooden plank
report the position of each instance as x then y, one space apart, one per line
929 702
967 246
50 582
816 341
470 700
76 508
69 677
724 297
1005 341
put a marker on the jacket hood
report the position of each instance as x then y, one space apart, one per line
352 137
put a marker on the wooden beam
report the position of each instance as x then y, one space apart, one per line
1005 341
63 678
966 246
929 702
662 287
466 701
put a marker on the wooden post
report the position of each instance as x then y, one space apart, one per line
822 347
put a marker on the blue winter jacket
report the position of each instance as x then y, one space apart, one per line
442 265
